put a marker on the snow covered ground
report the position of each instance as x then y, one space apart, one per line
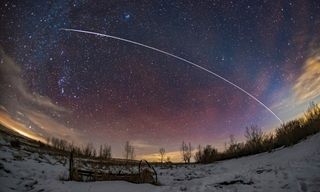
295 168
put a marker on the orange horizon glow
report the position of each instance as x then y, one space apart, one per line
20 128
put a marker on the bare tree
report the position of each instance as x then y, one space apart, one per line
162 152
48 141
254 137
233 145
198 155
94 152
168 159
186 152
100 151
59 143
105 152
129 152
89 150
189 153
132 154
232 140
127 149
254 134
313 111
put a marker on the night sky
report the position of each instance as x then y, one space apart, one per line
86 88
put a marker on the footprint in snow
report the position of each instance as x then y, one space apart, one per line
303 186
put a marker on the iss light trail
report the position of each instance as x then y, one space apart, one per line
179 58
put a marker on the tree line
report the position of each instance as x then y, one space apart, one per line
85 151
256 141
89 150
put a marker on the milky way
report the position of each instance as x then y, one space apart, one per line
92 89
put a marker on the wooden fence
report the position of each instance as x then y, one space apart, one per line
85 169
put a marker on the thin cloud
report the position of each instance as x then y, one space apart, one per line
307 86
174 156
143 145
50 126
11 77
27 112
10 123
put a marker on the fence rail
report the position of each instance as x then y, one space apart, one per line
86 169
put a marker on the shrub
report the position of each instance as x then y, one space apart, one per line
207 155
254 137
287 134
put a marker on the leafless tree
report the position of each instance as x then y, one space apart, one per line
89 150
232 140
186 152
59 143
233 145
100 151
168 159
105 152
162 152
132 154
129 152
313 111
254 134
198 155
48 140
254 137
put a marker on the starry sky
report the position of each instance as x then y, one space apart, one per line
86 88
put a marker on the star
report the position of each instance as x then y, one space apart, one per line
110 86
126 16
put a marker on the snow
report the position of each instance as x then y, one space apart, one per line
295 168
